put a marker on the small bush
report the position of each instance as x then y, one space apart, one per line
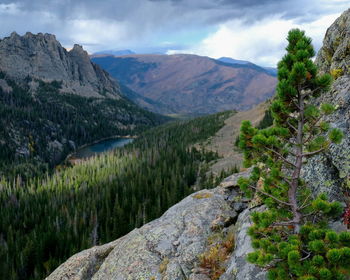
214 258
336 73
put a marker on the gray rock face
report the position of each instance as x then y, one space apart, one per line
335 52
238 268
42 57
330 172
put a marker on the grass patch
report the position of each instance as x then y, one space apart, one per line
202 195
163 265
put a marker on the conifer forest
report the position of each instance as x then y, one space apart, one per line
46 220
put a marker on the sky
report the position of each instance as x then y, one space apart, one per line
253 30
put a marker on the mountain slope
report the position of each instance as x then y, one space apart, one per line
190 83
52 101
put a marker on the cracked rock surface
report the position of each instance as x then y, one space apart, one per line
330 172
238 268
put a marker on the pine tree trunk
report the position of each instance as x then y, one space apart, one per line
293 191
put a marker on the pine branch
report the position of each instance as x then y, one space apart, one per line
286 223
308 139
315 152
292 126
304 205
271 196
280 156
310 91
311 127
310 214
287 180
306 257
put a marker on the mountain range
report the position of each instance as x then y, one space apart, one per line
189 84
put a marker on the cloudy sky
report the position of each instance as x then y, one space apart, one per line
253 30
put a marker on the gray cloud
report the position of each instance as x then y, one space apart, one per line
145 22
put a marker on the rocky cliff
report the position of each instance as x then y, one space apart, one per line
175 245
42 57
330 172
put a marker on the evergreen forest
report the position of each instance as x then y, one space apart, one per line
46 219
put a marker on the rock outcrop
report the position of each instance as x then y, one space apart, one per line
330 172
166 248
42 57
334 56
237 266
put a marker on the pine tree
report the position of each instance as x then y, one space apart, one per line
291 238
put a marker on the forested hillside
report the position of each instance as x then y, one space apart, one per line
38 129
44 221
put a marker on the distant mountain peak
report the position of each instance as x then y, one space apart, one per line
232 60
115 52
271 70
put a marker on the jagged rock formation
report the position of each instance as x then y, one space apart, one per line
42 57
237 266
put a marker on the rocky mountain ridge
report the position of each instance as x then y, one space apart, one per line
41 57
189 84
172 246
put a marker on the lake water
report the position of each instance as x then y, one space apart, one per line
100 147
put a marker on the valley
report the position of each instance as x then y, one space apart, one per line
101 198
189 84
